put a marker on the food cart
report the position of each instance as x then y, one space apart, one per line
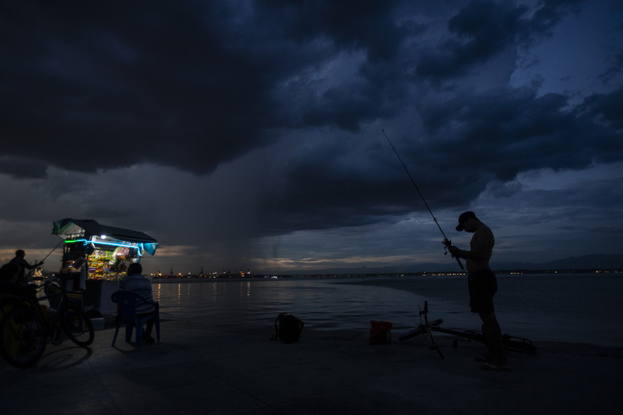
96 257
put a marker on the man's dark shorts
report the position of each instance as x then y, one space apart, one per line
482 287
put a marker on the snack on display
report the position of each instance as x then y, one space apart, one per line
108 263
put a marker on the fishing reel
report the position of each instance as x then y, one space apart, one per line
447 243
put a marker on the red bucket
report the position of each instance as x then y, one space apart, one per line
380 332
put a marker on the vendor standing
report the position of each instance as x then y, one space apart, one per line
21 262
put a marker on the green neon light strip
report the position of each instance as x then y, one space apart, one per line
138 248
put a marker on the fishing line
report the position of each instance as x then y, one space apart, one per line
422 196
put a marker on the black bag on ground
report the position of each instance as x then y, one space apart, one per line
287 328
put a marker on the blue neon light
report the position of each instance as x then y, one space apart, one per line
115 244
138 246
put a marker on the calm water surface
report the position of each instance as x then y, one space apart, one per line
580 308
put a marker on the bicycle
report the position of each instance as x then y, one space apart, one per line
517 344
24 329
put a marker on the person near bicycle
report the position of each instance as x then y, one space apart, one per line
11 284
8 287
8 279
482 285
137 283
23 265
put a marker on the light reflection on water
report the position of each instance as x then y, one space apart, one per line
319 304
572 308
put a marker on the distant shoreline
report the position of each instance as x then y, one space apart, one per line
380 275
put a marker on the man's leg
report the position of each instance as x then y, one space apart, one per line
492 330
148 327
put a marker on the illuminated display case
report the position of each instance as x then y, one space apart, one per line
106 260
96 257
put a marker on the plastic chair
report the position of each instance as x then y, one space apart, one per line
127 302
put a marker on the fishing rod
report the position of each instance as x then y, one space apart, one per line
46 257
59 244
447 241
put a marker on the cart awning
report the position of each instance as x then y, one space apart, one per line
86 228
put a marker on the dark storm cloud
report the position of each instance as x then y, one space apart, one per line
193 85
349 25
469 142
121 83
186 84
376 88
607 108
22 168
615 69
321 189
506 131
482 30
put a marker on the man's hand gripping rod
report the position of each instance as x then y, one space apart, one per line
447 243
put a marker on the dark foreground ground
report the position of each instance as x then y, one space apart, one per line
237 370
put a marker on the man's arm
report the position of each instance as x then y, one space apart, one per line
23 263
480 246
459 253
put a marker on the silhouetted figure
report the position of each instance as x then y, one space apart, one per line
137 283
482 287
10 283
8 279
23 265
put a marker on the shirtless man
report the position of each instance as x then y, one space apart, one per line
482 287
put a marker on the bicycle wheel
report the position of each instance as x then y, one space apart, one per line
76 325
22 338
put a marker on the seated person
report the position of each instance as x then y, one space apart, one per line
137 283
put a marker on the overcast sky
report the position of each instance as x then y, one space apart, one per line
247 134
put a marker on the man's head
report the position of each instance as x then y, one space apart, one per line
467 222
135 268
20 253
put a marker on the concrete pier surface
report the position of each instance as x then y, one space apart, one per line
228 369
